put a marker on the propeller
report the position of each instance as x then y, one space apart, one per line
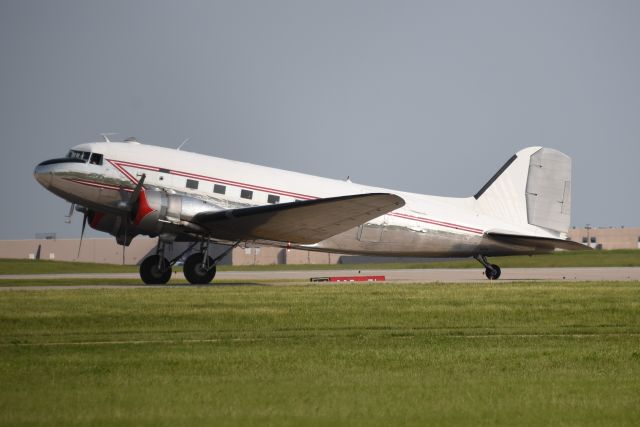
135 195
84 225
124 247
128 208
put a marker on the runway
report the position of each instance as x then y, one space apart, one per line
292 277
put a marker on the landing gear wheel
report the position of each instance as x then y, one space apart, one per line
151 274
492 273
194 271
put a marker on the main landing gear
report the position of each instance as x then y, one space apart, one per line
155 270
492 271
199 268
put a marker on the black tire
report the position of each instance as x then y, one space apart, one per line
493 273
151 274
195 274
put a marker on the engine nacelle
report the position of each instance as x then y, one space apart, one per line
159 212
114 225
154 213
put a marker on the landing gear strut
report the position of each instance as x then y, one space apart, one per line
200 268
492 271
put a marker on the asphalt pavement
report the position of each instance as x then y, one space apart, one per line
289 277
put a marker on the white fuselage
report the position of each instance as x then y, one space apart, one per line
425 226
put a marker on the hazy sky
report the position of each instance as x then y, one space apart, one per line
430 97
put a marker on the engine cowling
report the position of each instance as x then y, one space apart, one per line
158 212
154 213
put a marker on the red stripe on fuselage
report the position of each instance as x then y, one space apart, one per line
440 223
122 170
99 185
119 165
244 185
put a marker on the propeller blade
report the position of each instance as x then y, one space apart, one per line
136 192
124 246
84 225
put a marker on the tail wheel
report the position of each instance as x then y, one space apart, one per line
196 273
155 271
492 273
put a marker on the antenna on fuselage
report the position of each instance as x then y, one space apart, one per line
107 135
183 142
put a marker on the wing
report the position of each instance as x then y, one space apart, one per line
303 222
537 242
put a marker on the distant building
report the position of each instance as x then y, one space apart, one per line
103 251
107 251
607 238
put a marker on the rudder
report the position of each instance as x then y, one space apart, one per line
548 191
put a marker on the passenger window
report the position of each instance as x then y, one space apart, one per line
96 159
192 183
246 194
273 199
220 189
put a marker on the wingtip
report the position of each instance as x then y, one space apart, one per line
392 198
400 202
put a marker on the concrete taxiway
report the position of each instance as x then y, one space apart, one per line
447 275
392 276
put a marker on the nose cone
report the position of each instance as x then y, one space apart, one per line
43 174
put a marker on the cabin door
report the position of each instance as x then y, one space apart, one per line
370 232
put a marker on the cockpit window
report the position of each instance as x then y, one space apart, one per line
96 159
82 155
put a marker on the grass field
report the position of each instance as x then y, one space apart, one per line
614 258
108 282
24 266
374 354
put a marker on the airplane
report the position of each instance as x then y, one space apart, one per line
127 189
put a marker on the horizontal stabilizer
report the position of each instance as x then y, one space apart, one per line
537 242
303 222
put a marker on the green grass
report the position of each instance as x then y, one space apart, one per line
374 354
23 266
11 283
613 258
69 282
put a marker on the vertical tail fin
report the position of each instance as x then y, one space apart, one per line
533 187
